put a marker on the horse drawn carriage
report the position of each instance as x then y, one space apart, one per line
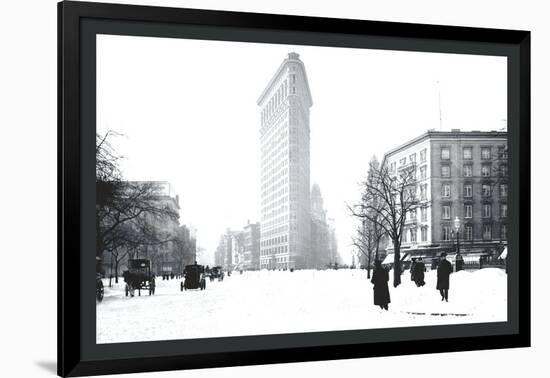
139 277
99 289
194 277
216 272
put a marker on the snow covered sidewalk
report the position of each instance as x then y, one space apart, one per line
271 302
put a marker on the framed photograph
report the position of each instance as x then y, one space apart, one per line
239 188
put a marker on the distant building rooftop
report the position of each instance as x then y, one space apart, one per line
454 133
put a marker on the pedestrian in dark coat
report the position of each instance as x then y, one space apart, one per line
413 271
444 270
419 268
380 278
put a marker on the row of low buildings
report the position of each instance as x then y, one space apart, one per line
462 185
239 249
167 257
242 249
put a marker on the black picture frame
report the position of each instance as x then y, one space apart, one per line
79 22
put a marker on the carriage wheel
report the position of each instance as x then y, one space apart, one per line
100 293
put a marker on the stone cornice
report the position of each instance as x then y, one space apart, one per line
446 135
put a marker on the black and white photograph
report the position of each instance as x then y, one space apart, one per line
290 188
258 189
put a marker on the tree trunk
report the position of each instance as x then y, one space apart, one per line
396 265
116 270
368 263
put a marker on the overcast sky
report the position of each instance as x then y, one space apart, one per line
188 113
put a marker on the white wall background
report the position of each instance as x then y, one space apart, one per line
28 158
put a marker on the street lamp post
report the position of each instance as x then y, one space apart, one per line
459 261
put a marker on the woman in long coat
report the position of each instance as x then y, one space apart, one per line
419 269
380 278
444 270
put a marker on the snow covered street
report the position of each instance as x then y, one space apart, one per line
271 302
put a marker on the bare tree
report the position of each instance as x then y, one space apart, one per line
127 213
367 241
386 200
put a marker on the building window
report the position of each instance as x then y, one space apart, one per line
467 153
412 158
445 153
486 190
403 161
445 171
413 235
468 233
467 170
468 190
486 170
423 156
424 214
392 167
412 215
487 231
503 152
446 191
468 211
424 234
503 210
486 211
423 191
423 172
504 190
486 153
446 212
503 231
446 233
503 170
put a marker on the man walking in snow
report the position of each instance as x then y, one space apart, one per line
444 270
419 269
380 278
413 269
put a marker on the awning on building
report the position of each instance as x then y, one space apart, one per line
471 259
388 259
390 256
450 257
504 253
